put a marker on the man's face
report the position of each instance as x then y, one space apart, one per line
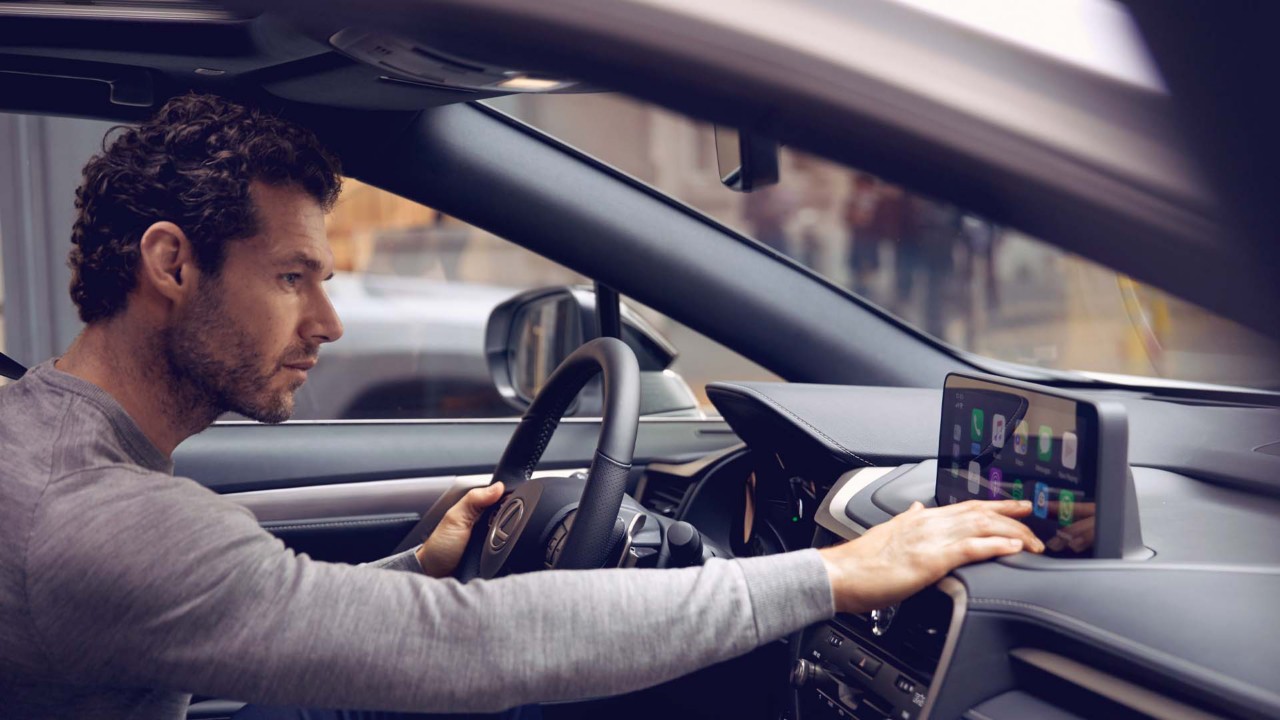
247 338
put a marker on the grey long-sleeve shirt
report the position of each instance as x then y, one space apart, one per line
123 589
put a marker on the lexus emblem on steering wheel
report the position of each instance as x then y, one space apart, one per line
506 523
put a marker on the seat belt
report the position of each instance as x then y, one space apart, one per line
11 368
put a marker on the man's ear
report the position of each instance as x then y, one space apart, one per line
166 263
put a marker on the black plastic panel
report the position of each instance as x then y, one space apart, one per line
1018 705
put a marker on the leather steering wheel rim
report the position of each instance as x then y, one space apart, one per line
587 544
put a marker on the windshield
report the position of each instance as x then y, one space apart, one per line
971 283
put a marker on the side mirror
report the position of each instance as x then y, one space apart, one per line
746 162
529 335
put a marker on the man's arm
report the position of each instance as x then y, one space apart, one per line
151 581
163 584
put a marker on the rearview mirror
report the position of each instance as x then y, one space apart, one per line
529 336
746 162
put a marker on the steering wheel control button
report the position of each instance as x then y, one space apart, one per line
905 685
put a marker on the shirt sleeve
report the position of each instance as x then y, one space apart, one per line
406 561
142 580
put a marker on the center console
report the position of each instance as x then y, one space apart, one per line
998 439
875 665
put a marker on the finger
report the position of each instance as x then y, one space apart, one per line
916 506
1011 508
977 549
984 523
472 505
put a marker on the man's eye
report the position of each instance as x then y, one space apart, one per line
291 279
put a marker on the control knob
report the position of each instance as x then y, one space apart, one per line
685 543
806 674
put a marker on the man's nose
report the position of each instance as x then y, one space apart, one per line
325 325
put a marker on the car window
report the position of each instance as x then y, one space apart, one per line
415 288
973 284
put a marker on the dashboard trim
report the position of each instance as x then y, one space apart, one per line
831 514
1123 692
1213 685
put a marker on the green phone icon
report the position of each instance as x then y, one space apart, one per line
1015 491
975 429
1066 507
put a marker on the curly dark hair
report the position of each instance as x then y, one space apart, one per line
191 164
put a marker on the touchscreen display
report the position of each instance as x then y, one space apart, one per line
1000 442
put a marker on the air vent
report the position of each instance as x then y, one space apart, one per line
664 494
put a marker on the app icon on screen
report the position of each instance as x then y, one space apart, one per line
997 430
1015 490
1044 446
1042 500
995 482
955 433
1070 448
975 477
955 449
975 449
955 469
976 422
1066 507
1020 438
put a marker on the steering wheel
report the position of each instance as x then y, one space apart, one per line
539 513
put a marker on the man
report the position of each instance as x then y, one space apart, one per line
199 259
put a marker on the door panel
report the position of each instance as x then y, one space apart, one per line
350 491
236 457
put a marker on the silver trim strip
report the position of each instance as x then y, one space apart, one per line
959 607
475 421
375 497
831 514
1131 695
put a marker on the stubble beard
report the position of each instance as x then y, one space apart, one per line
213 367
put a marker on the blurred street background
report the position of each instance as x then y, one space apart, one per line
415 287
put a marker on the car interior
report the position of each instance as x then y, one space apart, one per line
1166 610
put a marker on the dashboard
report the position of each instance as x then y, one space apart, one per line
1179 630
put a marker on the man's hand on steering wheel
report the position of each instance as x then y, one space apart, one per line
443 549
898 558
